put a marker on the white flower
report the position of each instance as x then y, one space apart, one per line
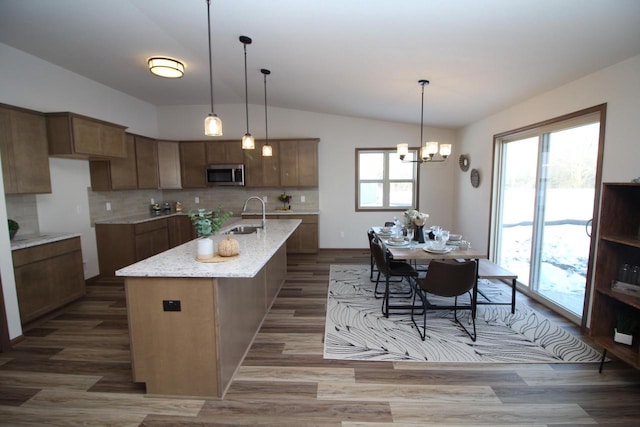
413 216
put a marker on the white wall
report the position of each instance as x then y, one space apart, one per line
339 137
618 86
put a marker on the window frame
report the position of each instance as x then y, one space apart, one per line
386 181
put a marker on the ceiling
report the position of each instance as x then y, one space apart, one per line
360 58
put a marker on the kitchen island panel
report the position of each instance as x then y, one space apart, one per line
173 352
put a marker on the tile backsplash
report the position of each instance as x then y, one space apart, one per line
22 208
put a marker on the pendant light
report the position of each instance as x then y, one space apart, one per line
430 148
248 141
267 150
212 123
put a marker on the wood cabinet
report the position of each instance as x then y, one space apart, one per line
25 153
138 170
618 244
192 164
48 276
262 171
305 238
299 163
74 136
224 152
169 165
120 245
147 162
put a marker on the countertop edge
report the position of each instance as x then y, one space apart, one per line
29 241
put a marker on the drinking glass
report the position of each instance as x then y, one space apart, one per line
445 236
410 234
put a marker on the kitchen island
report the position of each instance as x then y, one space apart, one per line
191 323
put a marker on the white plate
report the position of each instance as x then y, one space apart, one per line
392 243
381 233
438 251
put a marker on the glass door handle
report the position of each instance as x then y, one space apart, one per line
587 227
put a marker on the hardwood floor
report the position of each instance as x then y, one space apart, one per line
73 368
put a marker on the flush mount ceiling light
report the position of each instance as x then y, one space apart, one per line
248 141
212 123
166 67
267 150
430 149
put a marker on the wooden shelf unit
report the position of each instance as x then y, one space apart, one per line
618 243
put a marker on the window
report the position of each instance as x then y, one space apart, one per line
384 182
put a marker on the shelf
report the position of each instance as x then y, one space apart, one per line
625 240
625 353
622 297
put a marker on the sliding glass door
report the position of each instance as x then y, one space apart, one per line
545 201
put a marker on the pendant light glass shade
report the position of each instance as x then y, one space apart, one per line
212 123
445 150
402 150
166 67
267 149
248 142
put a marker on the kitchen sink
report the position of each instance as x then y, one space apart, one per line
243 229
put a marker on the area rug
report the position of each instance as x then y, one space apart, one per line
356 329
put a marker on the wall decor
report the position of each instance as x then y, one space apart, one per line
475 178
463 161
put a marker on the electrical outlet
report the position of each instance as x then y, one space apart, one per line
342 234
264 199
197 200
108 206
152 201
302 199
171 305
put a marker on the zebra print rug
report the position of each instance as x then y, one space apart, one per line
356 330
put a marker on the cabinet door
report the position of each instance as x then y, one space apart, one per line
123 171
151 243
25 152
192 164
146 162
224 152
169 165
288 163
299 163
305 238
86 136
112 141
262 171
180 230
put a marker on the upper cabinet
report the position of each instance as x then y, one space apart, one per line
25 156
192 164
299 163
224 152
138 170
74 136
262 171
169 165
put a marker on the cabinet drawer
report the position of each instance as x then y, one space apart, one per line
149 226
47 250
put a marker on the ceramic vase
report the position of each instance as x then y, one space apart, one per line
205 248
419 234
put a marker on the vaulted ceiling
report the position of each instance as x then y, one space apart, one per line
360 58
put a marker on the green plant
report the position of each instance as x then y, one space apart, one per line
208 223
13 225
628 320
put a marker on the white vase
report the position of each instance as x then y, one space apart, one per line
622 338
205 248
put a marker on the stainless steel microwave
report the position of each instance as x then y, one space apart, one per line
225 174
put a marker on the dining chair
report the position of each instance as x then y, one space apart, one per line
392 269
450 279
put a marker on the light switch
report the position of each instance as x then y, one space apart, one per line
302 199
108 205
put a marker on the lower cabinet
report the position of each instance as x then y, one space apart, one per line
48 276
305 239
120 245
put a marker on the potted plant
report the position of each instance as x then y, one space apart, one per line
207 223
285 199
13 228
626 326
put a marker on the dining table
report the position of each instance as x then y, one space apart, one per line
422 253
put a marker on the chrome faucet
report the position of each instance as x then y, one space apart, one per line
264 208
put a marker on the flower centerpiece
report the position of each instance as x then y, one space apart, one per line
417 220
207 223
285 199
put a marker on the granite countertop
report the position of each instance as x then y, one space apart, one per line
135 219
256 250
282 212
29 240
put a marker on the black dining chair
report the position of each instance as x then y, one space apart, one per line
392 269
450 279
